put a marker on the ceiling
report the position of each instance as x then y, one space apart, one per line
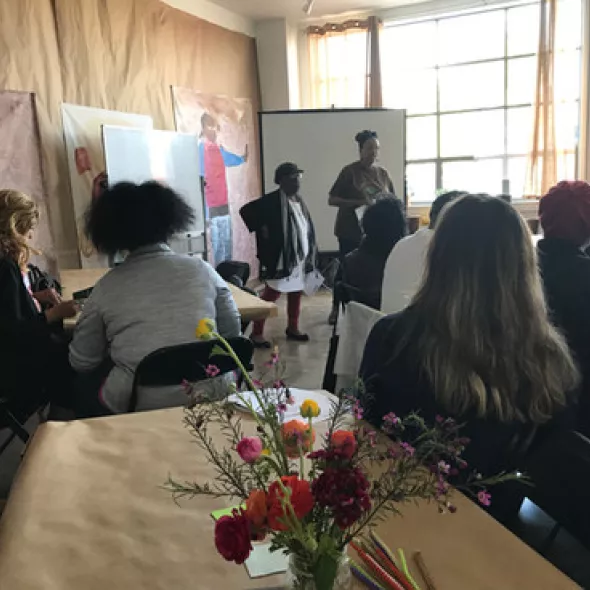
293 9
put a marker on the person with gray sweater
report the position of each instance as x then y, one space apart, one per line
154 299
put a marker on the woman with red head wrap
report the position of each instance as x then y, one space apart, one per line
564 213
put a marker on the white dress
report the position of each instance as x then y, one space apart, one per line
296 281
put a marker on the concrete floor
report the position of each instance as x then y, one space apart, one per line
305 369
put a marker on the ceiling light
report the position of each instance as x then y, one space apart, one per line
308 6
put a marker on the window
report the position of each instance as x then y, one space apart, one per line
468 83
339 69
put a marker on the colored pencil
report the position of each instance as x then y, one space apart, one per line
406 569
385 557
430 585
381 544
381 574
360 573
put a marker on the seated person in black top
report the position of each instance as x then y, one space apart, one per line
384 224
35 367
475 344
564 213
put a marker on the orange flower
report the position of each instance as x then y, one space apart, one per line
300 497
344 441
256 508
297 434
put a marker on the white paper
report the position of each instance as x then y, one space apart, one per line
313 281
264 563
298 395
360 211
293 283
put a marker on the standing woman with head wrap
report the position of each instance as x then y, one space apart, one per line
357 185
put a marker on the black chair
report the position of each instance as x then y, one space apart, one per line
236 273
187 362
560 472
13 421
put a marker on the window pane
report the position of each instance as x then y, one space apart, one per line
472 134
414 90
566 167
567 126
471 38
520 130
516 177
523 30
567 74
421 182
420 138
568 31
522 80
480 176
409 46
472 87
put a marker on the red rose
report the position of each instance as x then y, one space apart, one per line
232 537
301 499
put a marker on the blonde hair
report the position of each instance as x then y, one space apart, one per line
18 216
479 323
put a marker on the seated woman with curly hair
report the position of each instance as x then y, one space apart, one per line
34 365
154 299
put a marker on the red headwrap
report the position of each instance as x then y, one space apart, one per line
565 212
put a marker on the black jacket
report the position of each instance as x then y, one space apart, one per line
25 336
266 217
566 277
399 385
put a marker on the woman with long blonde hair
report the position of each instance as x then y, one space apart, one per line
34 366
475 343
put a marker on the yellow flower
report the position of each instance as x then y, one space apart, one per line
309 409
204 329
265 452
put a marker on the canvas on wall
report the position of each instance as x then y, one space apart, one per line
228 167
83 137
20 164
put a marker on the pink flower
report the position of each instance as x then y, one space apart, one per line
281 408
212 371
257 383
408 449
249 448
391 419
357 410
444 467
372 436
484 498
278 384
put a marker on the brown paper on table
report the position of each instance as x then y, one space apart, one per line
87 513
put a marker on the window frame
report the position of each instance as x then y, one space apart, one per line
506 107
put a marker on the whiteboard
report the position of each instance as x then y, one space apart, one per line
322 143
139 155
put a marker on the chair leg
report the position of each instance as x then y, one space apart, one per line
550 539
5 444
17 427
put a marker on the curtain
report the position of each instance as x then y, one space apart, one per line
374 93
542 160
338 58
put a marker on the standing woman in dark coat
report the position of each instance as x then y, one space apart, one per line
565 218
286 247
34 367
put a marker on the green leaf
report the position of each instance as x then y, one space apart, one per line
218 351
324 572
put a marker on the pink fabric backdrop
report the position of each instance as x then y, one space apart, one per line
20 163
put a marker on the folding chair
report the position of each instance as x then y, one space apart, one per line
187 362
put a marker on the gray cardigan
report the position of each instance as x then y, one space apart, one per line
154 299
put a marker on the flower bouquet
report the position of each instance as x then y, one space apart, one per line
310 495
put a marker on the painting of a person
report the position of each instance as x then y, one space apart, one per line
213 161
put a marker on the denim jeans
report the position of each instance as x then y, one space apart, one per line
221 238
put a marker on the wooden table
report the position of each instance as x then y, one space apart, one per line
87 512
250 307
